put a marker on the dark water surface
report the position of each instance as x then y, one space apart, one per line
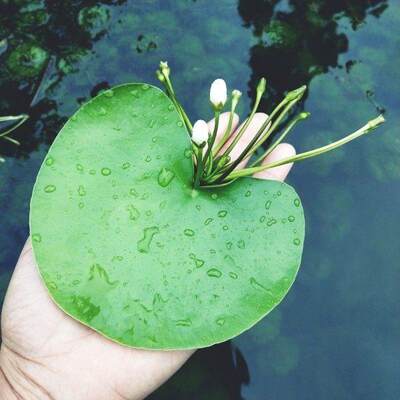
336 335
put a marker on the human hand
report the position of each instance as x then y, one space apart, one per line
45 354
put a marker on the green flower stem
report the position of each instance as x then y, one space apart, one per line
208 156
199 168
21 118
260 91
171 94
256 141
289 101
225 137
220 165
289 127
370 126
178 106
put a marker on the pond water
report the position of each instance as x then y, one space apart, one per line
336 335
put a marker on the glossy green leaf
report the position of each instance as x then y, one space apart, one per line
125 245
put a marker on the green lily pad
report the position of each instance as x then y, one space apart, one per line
127 247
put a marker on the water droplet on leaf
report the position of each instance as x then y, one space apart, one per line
49 161
183 322
241 244
134 213
133 192
81 191
214 273
143 245
271 221
36 237
105 171
296 242
165 177
50 189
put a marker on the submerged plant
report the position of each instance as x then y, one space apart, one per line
16 121
142 229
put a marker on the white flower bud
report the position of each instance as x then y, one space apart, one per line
218 93
164 68
236 93
200 132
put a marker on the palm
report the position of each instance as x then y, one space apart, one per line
66 360
50 344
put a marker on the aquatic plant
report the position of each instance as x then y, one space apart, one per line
143 230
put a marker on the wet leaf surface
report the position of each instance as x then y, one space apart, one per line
127 247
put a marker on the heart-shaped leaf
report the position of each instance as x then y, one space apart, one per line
127 247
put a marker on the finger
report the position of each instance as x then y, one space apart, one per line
253 128
223 124
280 173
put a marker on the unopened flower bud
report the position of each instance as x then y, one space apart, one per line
236 95
262 85
303 115
218 94
165 68
296 94
160 76
200 132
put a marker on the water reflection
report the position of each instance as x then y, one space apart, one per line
214 373
40 43
299 39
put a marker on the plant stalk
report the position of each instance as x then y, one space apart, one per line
370 126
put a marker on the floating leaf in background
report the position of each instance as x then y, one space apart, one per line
127 247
